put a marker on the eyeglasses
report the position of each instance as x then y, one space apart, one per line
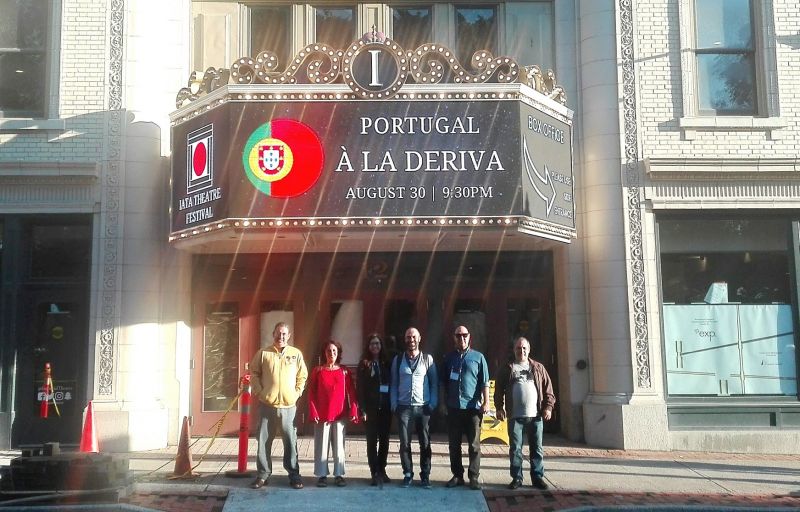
462 335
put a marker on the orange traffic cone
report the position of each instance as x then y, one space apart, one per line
183 460
89 436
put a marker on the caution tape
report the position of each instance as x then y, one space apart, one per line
218 424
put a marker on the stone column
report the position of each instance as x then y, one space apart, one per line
142 376
620 410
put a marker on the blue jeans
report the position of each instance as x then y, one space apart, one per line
273 418
516 428
420 416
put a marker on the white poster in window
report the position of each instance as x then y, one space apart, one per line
701 348
768 349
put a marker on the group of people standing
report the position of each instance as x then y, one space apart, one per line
407 386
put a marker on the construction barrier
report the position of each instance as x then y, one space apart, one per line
244 428
183 461
89 435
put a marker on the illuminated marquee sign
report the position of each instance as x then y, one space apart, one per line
283 152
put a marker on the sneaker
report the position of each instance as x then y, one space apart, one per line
455 481
406 482
425 482
386 478
259 482
296 484
322 482
474 484
540 484
515 484
340 481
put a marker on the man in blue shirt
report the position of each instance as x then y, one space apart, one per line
465 387
413 398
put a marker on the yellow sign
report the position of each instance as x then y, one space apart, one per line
492 427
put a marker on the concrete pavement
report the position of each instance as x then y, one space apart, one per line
579 476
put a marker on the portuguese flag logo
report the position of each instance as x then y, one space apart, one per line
283 158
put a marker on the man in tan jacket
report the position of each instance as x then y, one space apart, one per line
278 376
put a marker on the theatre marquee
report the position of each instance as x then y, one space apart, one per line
361 138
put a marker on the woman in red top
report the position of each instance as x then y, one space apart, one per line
331 401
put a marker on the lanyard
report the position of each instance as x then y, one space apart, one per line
413 367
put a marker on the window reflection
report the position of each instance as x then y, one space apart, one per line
23 41
412 26
725 57
336 26
529 26
269 30
726 83
476 29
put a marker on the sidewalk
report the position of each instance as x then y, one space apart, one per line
579 477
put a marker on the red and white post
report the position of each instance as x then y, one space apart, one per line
244 429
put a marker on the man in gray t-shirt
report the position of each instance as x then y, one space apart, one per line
523 391
524 395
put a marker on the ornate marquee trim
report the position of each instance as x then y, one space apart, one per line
635 229
110 220
320 64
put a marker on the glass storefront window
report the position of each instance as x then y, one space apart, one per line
60 251
728 327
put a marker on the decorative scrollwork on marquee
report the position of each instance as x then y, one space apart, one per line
319 64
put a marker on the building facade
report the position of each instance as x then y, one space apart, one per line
665 307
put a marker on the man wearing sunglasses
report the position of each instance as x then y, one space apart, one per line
465 389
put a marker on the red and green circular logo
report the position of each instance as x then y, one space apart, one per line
283 158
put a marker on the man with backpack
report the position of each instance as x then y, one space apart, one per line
413 398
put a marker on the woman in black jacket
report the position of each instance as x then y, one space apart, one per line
373 402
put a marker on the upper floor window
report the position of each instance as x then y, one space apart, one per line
23 57
270 27
725 53
529 33
476 29
412 26
522 29
335 26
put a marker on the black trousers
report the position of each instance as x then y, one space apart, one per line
378 426
461 422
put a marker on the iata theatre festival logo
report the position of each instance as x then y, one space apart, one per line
283 158
199 159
